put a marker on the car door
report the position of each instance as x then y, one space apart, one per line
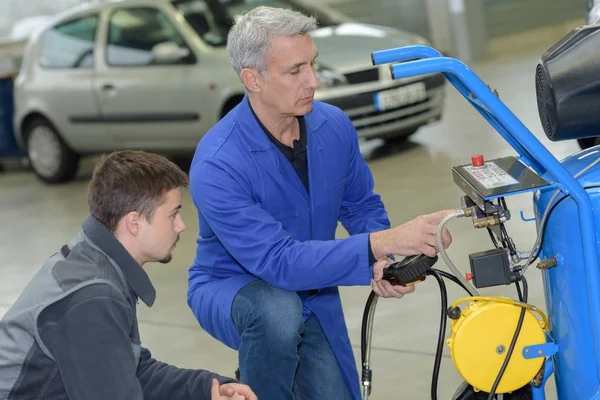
64 88
145 99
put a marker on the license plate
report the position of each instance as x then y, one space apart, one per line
402 96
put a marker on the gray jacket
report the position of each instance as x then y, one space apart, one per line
73 332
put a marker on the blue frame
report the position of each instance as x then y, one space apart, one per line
421 60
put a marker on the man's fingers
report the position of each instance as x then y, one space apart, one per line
429 250
398 291
376 288
379 266
446 238
227 390
380 290
392 290
214 390
436 217
377 272
402 289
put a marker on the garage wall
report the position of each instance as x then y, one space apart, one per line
13 10
410 15
512 16
501 16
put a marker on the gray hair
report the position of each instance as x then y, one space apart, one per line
250 38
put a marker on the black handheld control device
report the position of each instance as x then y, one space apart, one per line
410 270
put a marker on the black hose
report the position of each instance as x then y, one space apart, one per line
513 342
437 274
363 332
494 241
452 278
519 291
442 333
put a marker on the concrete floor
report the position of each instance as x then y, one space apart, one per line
36 220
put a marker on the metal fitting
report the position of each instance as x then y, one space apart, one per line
486 222
539 378
468 211
547 263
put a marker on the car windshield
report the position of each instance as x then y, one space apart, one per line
212 19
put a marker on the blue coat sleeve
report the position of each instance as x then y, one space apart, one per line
362 209
260 245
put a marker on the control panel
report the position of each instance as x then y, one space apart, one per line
483 181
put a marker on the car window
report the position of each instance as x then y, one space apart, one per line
134 33
212 19
70 44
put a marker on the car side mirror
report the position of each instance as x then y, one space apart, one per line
168 52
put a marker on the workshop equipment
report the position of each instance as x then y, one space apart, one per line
505 348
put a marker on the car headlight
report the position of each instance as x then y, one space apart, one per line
329 78
594 14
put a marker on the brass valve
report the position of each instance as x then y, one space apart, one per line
486 222
547 263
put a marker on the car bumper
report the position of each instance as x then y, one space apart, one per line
371 123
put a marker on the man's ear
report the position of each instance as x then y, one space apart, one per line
132 222
252 79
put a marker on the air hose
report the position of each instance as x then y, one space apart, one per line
405 272
367 334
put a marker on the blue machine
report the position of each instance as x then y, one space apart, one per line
566 194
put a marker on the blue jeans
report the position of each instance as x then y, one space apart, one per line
281 356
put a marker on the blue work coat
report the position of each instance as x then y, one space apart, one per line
257 221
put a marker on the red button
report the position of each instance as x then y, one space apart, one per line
469 276
477 160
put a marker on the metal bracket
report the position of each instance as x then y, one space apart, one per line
540 350
526 219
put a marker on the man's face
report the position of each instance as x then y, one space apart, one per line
290 81
159 236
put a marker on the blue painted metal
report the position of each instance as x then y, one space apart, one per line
525 219
538 392
540 350
572 289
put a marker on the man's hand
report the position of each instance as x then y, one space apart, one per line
231 391
412 238
383 288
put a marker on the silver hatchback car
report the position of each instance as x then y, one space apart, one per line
155 75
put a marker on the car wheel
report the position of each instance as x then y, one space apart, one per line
586 143
51 159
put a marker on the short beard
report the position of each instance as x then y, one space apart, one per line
166 260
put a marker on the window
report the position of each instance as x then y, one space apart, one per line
70 45
134 34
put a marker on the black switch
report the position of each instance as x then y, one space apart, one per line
491 268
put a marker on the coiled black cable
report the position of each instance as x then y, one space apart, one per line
513 342
438 275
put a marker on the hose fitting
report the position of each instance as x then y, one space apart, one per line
367 376
547 263
486 222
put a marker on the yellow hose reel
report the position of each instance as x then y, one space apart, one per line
480 338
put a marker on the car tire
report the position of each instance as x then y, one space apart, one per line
586 143
49 156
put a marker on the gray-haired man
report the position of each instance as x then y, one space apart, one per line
271 181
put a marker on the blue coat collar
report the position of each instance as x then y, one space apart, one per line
253 133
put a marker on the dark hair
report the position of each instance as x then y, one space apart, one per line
130 180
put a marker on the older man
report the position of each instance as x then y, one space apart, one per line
271 181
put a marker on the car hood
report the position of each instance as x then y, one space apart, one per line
348 46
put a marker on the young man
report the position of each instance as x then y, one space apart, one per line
271 181
73 332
